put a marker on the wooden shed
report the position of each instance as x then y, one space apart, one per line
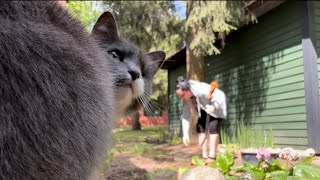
270 74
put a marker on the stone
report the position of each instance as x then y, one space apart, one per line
203 173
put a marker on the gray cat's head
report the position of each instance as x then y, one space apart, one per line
133 69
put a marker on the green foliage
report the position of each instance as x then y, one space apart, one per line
307 170
228 177
183 169
224 162
175 140
248 137
163 134
197 161
275 170
109 158
149 24
270 138
148 176
142 148
160 89
281 175
87 12
211 18
225 138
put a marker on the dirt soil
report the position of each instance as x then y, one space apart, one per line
129 167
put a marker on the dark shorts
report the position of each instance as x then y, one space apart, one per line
214 124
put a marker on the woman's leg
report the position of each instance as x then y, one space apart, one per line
201 138
214 137
203 141
213 144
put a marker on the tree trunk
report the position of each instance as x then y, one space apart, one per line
135 121
195 65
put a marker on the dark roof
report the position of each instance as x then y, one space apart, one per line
176 60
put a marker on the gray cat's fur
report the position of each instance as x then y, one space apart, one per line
57 98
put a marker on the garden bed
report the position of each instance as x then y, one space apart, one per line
135 159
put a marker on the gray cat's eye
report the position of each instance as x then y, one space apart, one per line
114 54
117 54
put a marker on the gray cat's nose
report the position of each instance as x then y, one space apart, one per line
134 75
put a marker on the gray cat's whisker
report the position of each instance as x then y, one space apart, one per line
130 36
151 107
145 103
152 101
156 105
146 106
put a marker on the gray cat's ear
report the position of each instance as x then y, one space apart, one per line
157 56
105 28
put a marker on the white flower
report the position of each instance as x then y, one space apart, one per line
289 153
309 152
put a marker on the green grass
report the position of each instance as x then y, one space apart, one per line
125 135
248 137
134 142
143 149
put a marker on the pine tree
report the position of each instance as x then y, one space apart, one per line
208 22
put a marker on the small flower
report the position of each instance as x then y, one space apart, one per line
263 153
309 152
264 165
289 153
258 156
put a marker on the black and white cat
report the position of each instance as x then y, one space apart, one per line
61 89
132 68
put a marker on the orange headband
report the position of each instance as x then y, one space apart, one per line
213 86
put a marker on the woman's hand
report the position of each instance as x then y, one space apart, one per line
186 140
209 108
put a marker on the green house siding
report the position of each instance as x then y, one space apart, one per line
174 101
261 72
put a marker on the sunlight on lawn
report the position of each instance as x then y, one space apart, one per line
123 135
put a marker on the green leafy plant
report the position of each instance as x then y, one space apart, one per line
275 170
148 175
224 162
197 161
306 170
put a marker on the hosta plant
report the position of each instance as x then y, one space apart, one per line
275 170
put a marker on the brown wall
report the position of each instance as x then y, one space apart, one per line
144 120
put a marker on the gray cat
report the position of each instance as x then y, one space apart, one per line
132 69
60 91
